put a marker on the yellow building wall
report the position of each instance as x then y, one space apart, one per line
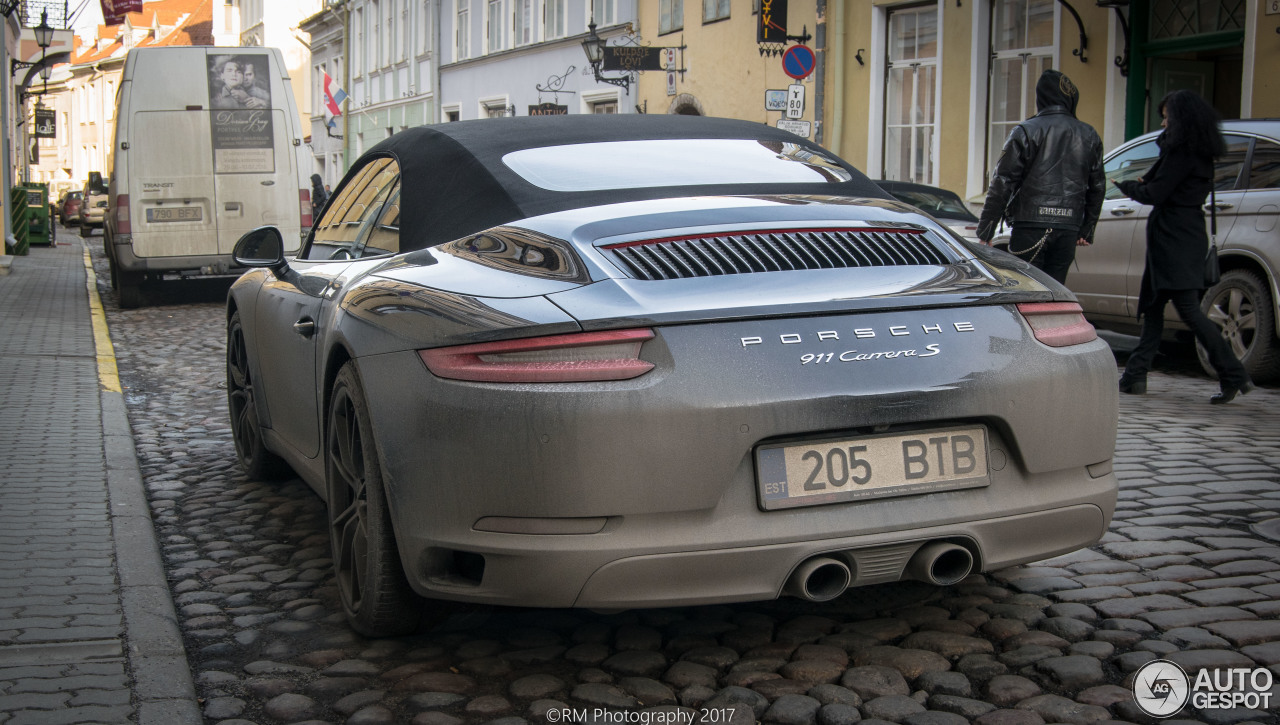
1266 68
725 72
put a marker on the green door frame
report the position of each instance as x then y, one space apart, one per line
1141 49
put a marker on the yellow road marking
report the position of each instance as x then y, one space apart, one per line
108 374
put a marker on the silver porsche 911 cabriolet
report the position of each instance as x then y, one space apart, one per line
637 361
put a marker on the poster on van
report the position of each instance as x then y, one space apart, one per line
240 96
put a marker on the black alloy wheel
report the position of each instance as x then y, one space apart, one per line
371 581
1240 305
259 463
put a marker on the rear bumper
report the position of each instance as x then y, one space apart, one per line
203 265
645 490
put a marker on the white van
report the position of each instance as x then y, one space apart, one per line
207 146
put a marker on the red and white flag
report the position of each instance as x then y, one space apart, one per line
333 98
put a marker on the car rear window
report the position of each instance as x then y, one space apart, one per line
671 162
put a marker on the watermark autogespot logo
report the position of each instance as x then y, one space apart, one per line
1161 688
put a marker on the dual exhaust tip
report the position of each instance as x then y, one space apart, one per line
823 578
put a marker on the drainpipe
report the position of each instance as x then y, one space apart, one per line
6 180
837 77
820 50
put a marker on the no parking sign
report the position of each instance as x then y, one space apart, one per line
798 61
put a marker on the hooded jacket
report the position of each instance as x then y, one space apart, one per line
1050 171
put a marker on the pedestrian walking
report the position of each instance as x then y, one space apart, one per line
319 197
1048 182
1177 246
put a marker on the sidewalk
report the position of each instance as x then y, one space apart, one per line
87 626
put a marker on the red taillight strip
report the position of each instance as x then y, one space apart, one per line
1073 329
853 230
304 207
123 224
463 362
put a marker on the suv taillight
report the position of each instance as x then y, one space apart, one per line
304 206
122 214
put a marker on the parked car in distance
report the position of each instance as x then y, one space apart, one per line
649 360
68 207
93 208
1107 277
945 206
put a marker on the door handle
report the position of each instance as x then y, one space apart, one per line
1121 210
1220 206
305 327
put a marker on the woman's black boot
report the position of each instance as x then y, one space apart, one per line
1230 391
1133 384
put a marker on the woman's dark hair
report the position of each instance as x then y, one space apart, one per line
1192 123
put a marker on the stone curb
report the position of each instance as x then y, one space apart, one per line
164 691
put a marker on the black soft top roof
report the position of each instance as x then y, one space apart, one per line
454 183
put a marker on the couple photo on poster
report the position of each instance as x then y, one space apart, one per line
240 96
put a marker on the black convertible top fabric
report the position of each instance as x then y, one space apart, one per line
453 181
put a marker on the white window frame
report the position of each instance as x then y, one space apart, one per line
462 30
447 108
591 98
714 7
531 23
667 8
357 46
879 134
993 140
555 19
423 26
495 26
606 12
484 105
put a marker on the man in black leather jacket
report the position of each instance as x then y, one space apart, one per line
1048 182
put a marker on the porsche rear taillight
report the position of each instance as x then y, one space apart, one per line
573 358
123 225
304 206
1058 324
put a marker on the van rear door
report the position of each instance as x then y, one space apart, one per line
257 186
171 187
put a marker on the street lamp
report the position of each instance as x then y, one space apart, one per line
593 46
43 31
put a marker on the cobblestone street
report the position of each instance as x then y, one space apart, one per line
1183 575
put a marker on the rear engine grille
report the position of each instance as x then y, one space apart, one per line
776 251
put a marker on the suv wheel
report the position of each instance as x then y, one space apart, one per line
1240 305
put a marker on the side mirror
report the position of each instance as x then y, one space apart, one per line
262 247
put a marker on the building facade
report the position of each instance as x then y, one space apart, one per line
893 67
86 87
275 24
721 70
502 57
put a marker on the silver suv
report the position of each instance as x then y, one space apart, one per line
1108 275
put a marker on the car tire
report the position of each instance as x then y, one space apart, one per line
259 463
129 291
375 594
1240 305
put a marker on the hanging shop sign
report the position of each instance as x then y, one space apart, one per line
548 109
113 11
771 23
630 58
46 125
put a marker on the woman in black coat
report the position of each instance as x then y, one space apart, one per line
1176 186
